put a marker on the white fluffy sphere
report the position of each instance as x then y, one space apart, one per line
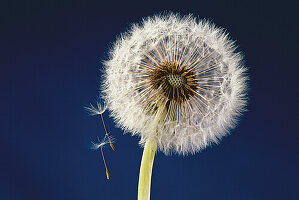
177 80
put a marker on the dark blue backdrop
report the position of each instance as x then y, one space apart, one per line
51 53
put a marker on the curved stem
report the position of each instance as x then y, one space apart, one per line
145 174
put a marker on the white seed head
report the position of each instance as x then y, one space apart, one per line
177 80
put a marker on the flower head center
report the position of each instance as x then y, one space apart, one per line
175 80
176 83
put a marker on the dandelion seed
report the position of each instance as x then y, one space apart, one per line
99 145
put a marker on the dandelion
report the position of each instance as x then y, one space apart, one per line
178 83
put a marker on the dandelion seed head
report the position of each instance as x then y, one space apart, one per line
177 80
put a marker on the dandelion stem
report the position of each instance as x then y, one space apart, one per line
149 151
145 174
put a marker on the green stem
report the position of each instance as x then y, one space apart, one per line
147 162
145 174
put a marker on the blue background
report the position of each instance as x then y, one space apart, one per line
51 53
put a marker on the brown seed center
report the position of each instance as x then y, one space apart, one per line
175 80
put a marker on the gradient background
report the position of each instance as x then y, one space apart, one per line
51 53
